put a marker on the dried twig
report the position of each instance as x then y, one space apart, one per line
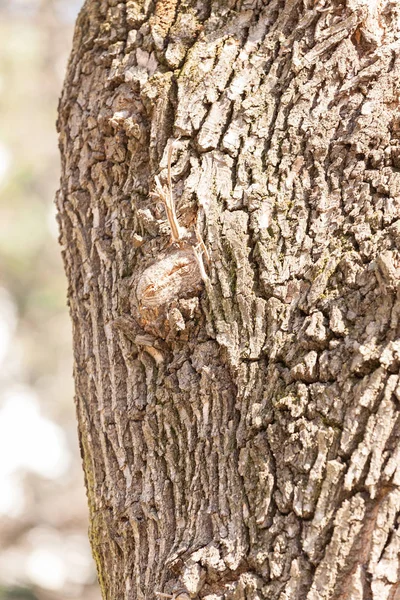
165 194
167 198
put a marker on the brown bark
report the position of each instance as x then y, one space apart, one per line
239 432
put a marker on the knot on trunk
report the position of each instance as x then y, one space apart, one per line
174 277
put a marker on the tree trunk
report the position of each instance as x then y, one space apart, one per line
238 414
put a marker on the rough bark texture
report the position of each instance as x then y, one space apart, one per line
240 434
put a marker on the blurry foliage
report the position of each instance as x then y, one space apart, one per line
44 551
17 593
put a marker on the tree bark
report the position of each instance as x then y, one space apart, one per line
238 416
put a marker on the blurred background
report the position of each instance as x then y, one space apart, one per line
44 550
